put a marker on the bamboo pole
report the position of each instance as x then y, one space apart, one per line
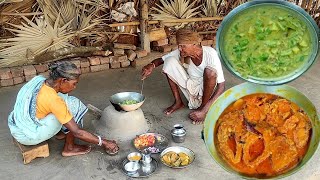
135 23
20 14
144 36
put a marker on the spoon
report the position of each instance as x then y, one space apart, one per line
142 87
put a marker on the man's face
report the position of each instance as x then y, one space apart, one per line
185 49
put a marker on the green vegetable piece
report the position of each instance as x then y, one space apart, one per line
128 102
303 44
295 49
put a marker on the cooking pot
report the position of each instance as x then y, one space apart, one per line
244 89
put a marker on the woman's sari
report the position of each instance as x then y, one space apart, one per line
26 128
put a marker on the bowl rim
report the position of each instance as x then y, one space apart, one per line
180 147
314 29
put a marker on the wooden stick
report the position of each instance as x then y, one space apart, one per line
144 37
20 14
135 23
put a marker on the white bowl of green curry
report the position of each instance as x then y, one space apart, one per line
268 42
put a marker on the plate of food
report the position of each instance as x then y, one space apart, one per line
177 157
151 142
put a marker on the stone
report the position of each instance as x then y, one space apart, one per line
125 63
29 77
16 71
18 80
130 54
163 49
113 123
84 63
114 59
99 67
123 58
41 68
5 73
6 82
141 53
117 52
174 47
94 60
45 74
85 70
104 60
29 70
124 46
115 65
161 42
172 39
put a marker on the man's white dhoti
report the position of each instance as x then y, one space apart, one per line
190 82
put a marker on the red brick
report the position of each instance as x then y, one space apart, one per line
164 49
76 62
84 63
85 70
29 70
114 59
160 42
16 71
29 77
123 58
105 60
18 80
130 54
105 66
45 74
6 82
41 68
141 53
95 68
94 60
115 65
117 51
125 63
5 73
124 46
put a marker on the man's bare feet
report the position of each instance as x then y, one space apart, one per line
60 135
76 150
197 116
173 108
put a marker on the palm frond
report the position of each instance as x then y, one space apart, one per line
175 9
33 38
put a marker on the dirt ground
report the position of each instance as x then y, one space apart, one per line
96 88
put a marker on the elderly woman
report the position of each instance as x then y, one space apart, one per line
43 108
195 70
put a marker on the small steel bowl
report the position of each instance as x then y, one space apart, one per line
133 154
132 167
178 149
118 98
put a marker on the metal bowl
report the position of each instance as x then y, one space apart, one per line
178 149
133 154
131 166
244 89
236 13
118 98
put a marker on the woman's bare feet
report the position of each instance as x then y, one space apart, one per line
197 116
76 150
173 108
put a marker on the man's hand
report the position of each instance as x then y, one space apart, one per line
147 70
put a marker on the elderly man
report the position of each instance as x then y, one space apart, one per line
195 70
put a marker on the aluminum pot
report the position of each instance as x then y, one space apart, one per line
244 89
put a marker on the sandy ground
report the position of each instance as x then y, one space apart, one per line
96 88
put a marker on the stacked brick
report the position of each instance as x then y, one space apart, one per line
122 56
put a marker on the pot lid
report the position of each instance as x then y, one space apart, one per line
268 42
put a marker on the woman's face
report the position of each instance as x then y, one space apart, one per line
67 86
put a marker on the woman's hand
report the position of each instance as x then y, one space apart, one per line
111 146
147 70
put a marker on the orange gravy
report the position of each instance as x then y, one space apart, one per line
265 168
